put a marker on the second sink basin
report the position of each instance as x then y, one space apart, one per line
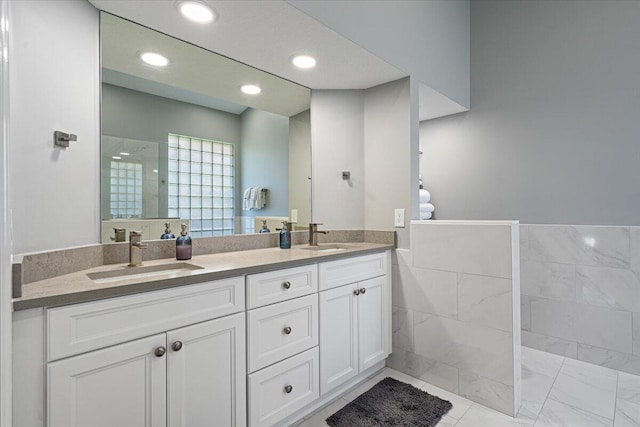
141 272
325 248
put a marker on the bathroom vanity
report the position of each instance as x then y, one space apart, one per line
258 338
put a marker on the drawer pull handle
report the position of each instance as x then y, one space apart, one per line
356 292
363 290
286 285
288 389
160 351
177 346
287 330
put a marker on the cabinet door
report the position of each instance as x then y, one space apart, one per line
206 374
372 321
338 337
123 385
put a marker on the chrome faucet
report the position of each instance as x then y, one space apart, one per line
135 248
313 234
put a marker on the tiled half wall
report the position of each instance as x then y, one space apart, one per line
581 292
456 314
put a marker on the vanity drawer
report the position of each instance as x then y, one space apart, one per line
89 326
280 285
280 390
281 330
351 270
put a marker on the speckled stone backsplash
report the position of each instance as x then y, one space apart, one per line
39 266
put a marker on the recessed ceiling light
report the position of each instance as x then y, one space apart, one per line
251 89
116 158
154 59
196 11
303 61
124 154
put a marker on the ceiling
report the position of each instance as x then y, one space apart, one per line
266 34
193 75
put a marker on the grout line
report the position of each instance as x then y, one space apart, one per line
615 402
550 388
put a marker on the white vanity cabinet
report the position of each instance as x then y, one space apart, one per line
187 376
282 345
355 317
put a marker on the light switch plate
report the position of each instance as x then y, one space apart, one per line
294 215
398 218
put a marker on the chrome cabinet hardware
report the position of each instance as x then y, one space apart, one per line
288 389
286 285
160 351
287 330
356 292
176 346
363 290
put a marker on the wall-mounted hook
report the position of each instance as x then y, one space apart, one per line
62 139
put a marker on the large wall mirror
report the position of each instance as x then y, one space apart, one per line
182 143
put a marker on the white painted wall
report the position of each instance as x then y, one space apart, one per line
264 156
337 144
387 153
54 85
553 133
300 166
427 39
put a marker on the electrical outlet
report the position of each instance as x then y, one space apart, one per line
294 215
398 218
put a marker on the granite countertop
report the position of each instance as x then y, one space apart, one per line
78 287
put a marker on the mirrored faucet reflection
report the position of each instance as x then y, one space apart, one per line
313 234
135 248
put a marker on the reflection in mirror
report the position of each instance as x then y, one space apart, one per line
182 143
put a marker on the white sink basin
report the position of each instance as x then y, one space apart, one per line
128 273
326 248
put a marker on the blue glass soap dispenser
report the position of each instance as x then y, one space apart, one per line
183 245
285 236
264 228
167 232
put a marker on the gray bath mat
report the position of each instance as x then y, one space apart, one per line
391 403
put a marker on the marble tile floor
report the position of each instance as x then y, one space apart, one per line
556 392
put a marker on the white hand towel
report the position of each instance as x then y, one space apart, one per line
427 207
425 196
246 199
425 215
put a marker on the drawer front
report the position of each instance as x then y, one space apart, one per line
80 328
351 270
281 330
275 286
271 399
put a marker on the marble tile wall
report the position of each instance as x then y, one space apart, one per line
456 310
580 292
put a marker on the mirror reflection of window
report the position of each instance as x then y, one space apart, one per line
126 189
202 184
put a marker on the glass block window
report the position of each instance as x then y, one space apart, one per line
202 184
126 189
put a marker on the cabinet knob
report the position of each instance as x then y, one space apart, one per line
160 351
286 285
287 330
363 290
288 389
176 346
356 292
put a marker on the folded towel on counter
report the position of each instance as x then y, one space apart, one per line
425 215
427 207
425 196
253 198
